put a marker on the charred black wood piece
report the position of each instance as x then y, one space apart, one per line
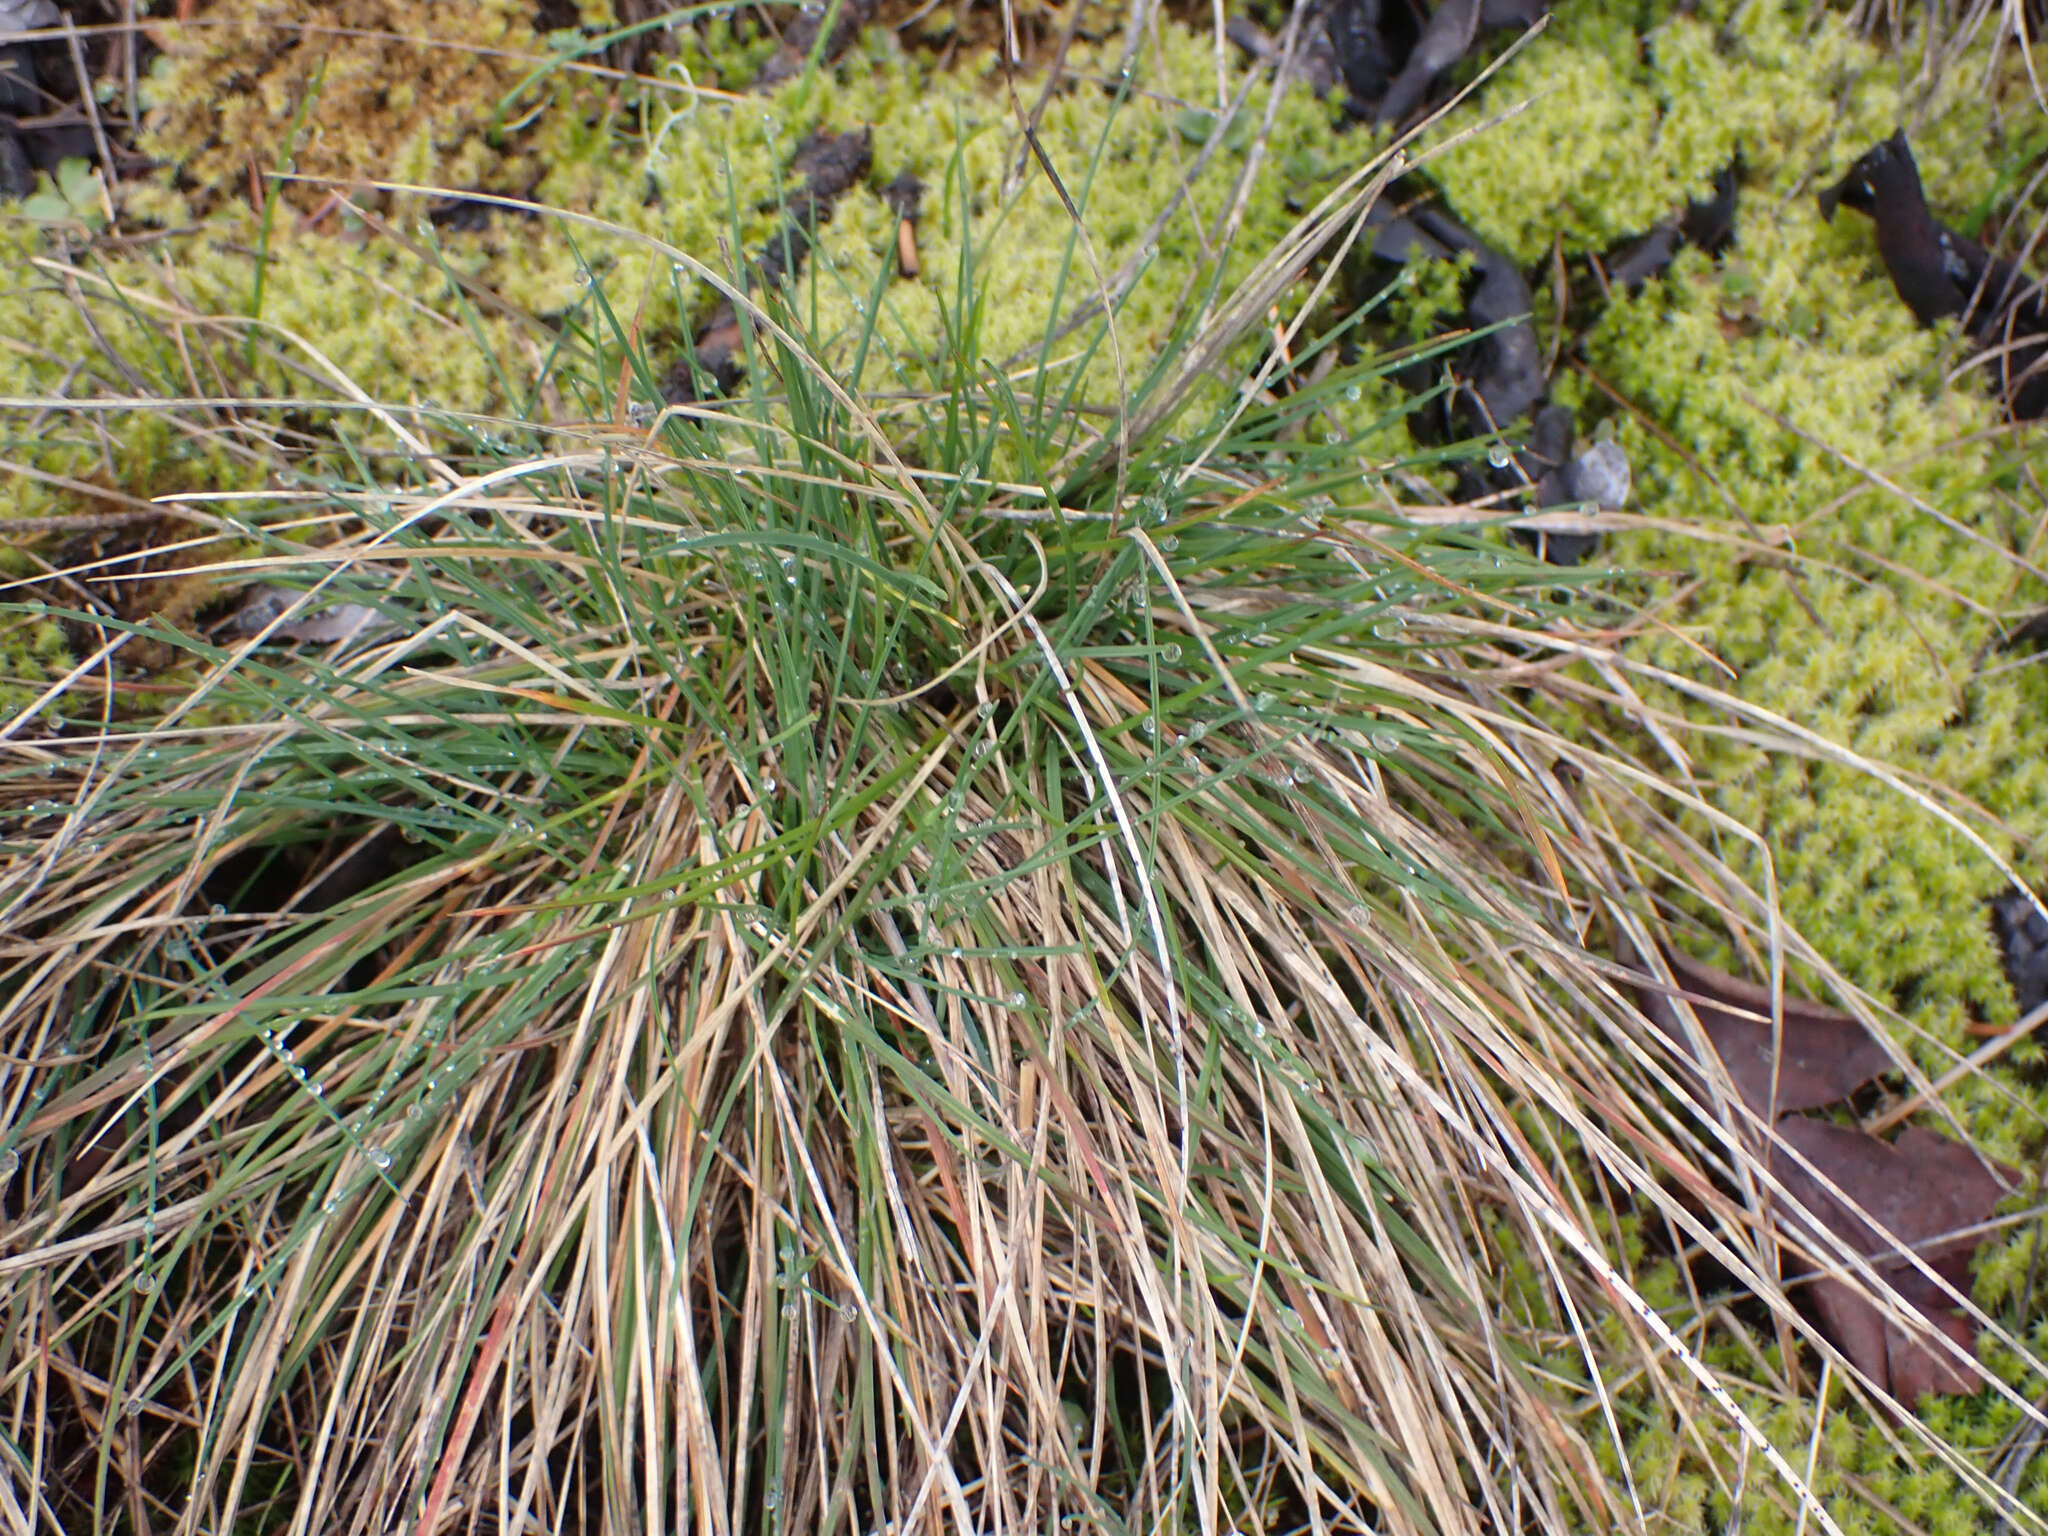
1708 224
20 96
1935 270
1445 37
17 176
2023 948
715 362
905 196
831 165
1390 54
1501 372
1502 382
1313 63
1371 39
1939 271
800 38
1508 378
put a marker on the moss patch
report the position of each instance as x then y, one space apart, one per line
1787 370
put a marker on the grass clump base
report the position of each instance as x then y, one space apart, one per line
985 932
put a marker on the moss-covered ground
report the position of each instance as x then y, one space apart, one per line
1845 531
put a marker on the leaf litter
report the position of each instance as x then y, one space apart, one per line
1923 1195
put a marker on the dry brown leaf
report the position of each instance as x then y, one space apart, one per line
1824 1053
1921 1189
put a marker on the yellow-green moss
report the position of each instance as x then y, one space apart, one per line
388 89
1779 368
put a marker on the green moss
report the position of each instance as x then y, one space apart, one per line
392 89
1780 368
313 305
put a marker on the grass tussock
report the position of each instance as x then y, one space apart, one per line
877 960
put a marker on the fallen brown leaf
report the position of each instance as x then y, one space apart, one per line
1824 1054
1920 1188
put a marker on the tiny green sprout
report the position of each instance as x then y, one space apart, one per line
74 197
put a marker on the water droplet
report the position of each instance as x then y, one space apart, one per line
10 1160
849 1311
1385 741
789 1309
1170 654
413 1111
1169 542
1356 915
767 786
1353 393
380 1157
771 1498
969 470
1264 703
1258 1029
145 1284
987 710
1498 456
1016 1000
